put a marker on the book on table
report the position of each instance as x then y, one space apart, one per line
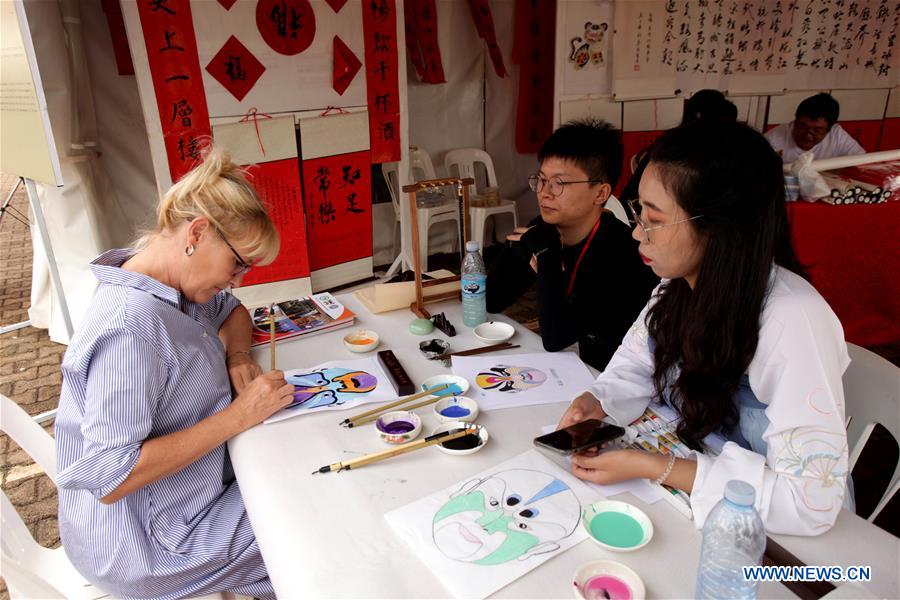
309 315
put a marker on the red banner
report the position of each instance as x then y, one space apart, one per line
533 51
380 31
420 16
278 184
337 196
175 69
484 25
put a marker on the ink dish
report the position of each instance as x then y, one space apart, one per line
617 526
468 444
456 408
607 579
457 385
398 427
494 332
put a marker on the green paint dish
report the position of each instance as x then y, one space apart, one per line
617 529
617 526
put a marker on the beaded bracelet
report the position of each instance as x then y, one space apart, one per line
233 354
665 474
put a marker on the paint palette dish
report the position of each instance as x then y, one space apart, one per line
458 385
398 427
494 332
456 408
364 340
617 526
607 579
468 444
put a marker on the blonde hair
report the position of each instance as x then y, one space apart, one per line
218 190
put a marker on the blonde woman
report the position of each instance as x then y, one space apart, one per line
148 504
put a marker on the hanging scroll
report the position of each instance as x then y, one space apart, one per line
535 32
380 32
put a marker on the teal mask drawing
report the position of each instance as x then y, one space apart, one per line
510 515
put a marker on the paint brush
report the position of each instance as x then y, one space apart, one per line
354 420
368 459
365 420
473 351
272 336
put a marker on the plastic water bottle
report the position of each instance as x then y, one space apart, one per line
733 537
474 287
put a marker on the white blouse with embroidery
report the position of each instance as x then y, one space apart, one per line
796 372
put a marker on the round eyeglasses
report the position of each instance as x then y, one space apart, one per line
555 185
240 265
634 215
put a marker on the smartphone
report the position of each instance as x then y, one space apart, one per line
579 436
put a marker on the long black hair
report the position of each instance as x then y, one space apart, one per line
728 173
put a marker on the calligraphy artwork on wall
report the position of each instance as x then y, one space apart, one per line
380 31
235 68
287 26
177 81
345 66
584 54
420 19
535 32
484 25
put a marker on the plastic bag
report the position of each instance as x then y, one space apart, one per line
812 185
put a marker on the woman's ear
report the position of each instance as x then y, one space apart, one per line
197 228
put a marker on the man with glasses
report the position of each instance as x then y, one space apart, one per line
814 128
591 282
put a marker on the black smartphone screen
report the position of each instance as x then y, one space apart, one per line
580 436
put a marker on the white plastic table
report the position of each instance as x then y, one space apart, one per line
325 535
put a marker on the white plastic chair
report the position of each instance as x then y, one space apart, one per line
30 570
421 168
613 204
461 163
872 396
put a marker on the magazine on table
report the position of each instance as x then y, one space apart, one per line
301 316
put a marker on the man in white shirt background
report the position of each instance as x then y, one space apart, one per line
814 128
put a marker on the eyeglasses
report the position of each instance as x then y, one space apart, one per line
555 185
241 266
634 214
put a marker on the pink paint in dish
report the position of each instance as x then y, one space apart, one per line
606 586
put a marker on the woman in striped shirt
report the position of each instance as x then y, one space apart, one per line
148 503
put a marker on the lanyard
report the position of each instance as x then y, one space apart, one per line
584 250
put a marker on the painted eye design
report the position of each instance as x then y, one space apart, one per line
523 526
493 502
529 513
513 500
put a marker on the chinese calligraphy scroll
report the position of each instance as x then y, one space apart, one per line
420 19
177 82
380 31
484 25
535 31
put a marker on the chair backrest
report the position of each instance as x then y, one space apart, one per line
872 396
391 172
36 442
461 163
613 204
420 161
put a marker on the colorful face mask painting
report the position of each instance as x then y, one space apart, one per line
335 386
523 379
511 515
504 378
486 531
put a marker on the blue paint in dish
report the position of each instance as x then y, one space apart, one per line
456 411
453 389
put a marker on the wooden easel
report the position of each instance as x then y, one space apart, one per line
462 199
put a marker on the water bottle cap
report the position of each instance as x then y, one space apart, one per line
472 246
740 492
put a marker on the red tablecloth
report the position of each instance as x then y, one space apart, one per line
853 256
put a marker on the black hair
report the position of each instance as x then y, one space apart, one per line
593 145
728 173
708 104
820 106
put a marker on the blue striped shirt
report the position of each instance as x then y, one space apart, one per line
147 362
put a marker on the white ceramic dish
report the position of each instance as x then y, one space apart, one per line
391 435
458 385
482 438
494 332
629 584
456 408
363 340
623 538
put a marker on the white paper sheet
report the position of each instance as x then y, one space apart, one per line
486 531
336 385
523 379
